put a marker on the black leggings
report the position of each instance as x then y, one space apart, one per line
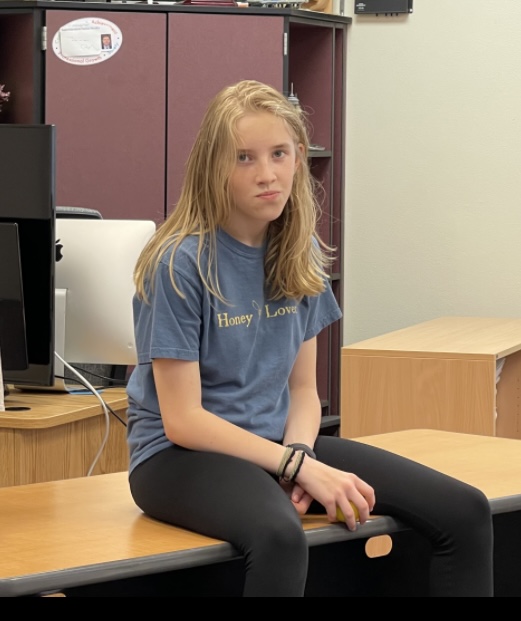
231 499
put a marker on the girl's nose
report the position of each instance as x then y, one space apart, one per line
265 171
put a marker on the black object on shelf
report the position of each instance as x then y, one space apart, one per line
329 425
385 7
77 212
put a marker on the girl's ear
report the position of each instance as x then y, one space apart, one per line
300 147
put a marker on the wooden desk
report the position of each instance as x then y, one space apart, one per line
491 464
88 532
439 374
59 437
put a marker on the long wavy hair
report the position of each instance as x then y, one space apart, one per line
297 259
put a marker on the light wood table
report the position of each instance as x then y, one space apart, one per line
493 465
440 374
88 531
60 435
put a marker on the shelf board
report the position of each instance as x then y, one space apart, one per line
329 424
317 154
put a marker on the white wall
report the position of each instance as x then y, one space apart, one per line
433 174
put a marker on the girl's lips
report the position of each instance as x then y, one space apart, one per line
268 195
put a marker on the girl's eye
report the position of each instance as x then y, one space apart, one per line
279 153
243 157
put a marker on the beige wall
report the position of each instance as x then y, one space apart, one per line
433 175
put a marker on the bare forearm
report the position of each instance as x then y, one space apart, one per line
304 417
200 430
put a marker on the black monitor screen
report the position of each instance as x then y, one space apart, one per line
27 198
13 348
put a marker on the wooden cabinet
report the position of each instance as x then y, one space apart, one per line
51 436
460 374
125 126
110 116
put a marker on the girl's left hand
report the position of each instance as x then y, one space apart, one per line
300 499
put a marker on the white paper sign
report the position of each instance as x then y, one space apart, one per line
87 41
80 42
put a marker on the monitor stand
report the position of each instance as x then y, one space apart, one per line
68 385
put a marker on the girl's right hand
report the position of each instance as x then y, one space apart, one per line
334 489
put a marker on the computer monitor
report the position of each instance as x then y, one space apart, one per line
94 273
13 344
27 199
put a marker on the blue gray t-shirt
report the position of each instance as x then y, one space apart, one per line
246 348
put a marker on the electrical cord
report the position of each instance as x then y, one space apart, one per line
113 381
103 405
81 381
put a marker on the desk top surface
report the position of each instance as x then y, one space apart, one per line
486 337
50 409
87 530
81 531
490 463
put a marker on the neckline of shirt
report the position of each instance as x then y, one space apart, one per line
235 245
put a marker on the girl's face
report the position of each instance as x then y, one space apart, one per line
262 179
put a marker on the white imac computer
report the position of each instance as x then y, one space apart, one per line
94 289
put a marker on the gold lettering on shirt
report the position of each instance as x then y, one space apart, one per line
227 321
280 312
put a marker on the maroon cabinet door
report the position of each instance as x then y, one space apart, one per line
209 52
110 117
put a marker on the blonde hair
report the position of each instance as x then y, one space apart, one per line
295 264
